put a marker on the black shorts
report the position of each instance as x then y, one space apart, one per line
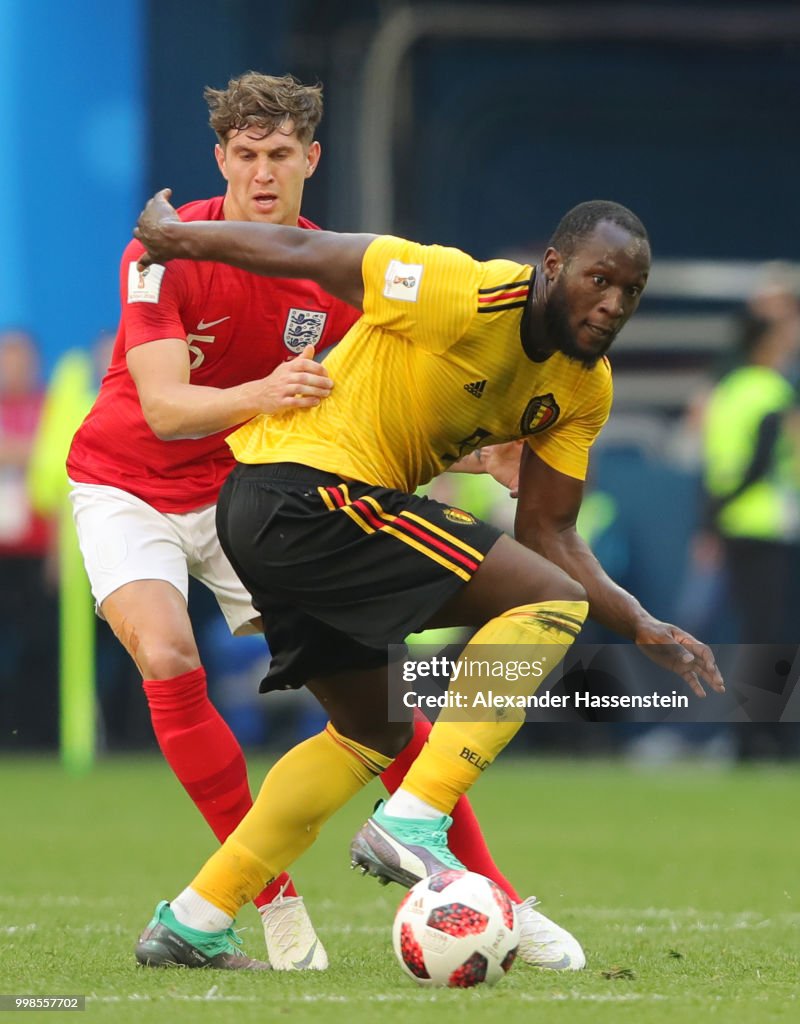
339 570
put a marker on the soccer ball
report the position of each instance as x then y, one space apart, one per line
455 929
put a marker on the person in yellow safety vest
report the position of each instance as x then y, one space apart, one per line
751 450
752 476
70 394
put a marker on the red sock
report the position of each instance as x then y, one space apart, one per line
205 756
465 838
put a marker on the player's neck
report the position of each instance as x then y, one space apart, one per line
532 330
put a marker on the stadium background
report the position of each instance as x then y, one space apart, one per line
473 125
681 882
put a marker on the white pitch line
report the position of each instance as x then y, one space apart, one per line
619 921
576 913
655 917
427 996
46 899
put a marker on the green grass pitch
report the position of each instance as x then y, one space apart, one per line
682 885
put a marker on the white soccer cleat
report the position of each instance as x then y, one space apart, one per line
543 943
292 943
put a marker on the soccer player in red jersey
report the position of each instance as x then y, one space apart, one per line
201 348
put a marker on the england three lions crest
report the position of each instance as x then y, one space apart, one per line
303 327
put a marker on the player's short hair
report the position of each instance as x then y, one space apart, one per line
578 223
267 102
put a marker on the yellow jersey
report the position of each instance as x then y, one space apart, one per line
434 369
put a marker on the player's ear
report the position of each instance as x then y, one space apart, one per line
552 263
312 158
219 154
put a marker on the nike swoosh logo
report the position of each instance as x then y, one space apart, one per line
203 326
562 964
301 965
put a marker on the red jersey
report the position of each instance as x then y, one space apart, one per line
238 327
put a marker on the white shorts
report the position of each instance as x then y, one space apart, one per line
123 539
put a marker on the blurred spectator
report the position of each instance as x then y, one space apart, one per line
752 485
28 664
70 392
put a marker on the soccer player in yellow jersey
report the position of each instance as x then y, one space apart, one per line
321 523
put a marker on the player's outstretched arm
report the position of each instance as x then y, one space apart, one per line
331 259
547 512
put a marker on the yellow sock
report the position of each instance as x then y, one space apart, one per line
461 746
301 791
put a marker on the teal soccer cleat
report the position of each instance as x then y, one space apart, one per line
166 942
403 850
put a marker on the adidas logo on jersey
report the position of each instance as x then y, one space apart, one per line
476 388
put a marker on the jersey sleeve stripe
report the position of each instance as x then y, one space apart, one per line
504 287
501 306
509 294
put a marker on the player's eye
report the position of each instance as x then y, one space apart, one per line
600 280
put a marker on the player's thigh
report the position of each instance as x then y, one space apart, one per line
510 575
357 703
210 565
124 540
137 567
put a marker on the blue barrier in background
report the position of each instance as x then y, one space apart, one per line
72 122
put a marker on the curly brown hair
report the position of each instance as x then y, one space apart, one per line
266 102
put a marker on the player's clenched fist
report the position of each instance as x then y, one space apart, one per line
152 230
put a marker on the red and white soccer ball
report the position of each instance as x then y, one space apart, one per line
455 929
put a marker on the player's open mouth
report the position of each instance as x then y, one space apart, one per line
265 200
600 332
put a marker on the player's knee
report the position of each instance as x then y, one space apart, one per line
554 584
568 589
167 659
